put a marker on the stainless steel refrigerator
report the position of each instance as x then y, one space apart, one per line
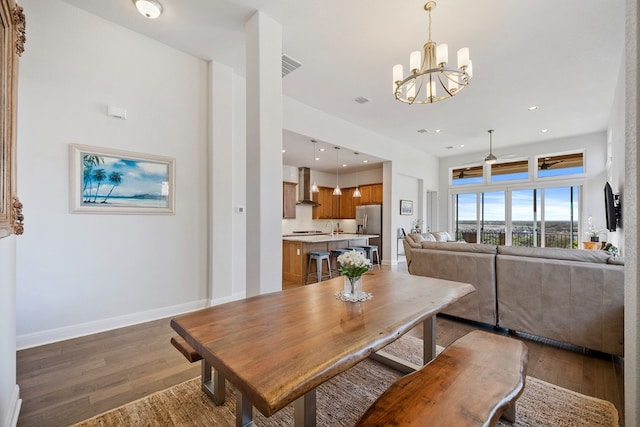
369 221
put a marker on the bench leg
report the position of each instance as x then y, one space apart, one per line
214 388
429 339
244 411
510 413
304 410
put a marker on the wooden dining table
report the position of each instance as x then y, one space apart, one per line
277 348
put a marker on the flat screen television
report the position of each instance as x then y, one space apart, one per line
611 208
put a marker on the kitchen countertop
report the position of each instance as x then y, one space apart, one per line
327 237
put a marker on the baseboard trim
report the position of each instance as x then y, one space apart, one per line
235 297
14 408
68 332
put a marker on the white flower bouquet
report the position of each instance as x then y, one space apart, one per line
353 264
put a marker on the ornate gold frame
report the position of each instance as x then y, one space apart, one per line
12 39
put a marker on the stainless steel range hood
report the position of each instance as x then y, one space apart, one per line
304 187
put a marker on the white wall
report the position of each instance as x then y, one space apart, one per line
593 181
78 273
9 401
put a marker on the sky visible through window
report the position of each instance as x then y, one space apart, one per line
557 205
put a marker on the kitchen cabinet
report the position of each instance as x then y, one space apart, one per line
344 206
289 199
348 204
325 199
376 193
371 194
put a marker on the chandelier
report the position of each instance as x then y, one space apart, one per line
431 78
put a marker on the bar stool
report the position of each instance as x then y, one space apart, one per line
318 257
371 249
357 249
335 253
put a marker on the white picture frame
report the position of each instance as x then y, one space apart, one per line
109 181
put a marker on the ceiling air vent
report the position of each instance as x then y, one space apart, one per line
289 65
361 100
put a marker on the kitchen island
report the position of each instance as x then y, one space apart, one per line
295 252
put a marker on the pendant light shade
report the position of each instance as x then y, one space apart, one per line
314 186
356 192
490 159
337 191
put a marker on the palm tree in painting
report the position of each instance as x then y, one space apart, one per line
88 162
115 178
98 176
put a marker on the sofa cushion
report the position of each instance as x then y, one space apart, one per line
460 247
429 237
580 255
441 236
616 260
416 237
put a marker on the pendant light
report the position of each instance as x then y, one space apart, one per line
356 192
314 186
490 159
337 191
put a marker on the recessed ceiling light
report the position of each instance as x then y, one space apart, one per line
149 8
533 108
361 100
461 145
365 161
321 149
317 158
284 151
544 130
438 130
344 165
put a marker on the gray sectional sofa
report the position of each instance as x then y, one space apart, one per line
568 295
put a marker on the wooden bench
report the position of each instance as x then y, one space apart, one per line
212 382
471 383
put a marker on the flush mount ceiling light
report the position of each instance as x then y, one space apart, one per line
149 8
431 78
337 191
490 159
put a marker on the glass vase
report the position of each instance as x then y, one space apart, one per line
352 287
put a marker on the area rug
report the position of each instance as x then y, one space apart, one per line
342 400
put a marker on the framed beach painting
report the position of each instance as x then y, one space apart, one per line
406 207
109 181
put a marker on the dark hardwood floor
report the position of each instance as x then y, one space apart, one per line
66 382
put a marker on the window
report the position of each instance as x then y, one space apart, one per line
510 171
535 217
560 165
467 175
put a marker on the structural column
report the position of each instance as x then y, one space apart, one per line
221 217
264 154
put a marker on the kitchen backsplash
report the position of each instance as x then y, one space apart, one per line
304 222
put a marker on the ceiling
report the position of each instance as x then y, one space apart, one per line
562 56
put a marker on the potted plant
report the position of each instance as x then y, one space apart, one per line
593 231
417 225
352 265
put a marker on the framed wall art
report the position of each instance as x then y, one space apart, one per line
109 181
12 40
406 207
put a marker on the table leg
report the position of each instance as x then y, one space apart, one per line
429 339
244 411
214 388
304 410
